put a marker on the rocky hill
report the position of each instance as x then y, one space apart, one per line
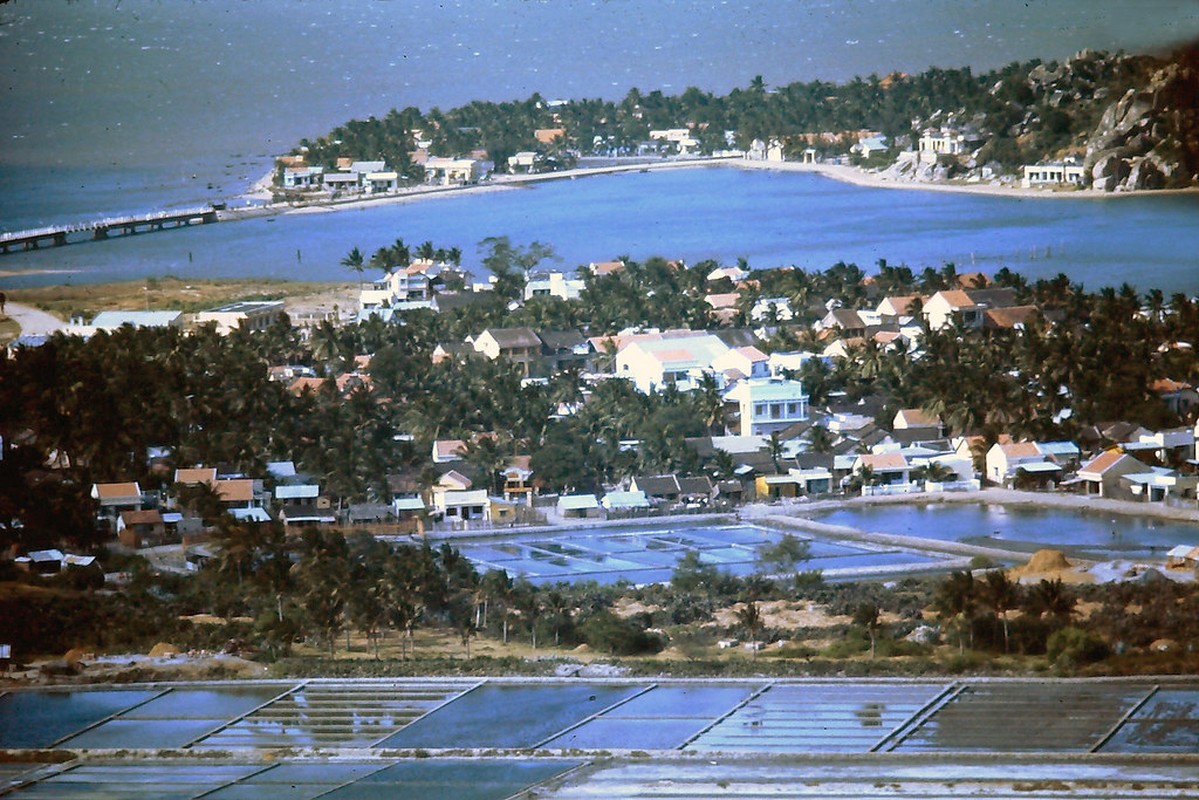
1148 138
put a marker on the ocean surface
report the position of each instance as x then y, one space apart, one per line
114 106
770 218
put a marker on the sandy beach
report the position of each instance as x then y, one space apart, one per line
261 191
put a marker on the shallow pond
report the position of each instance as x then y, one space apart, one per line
1023 528
649 554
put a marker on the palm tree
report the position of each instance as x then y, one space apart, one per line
750 617
1050 598
558 607
820 440
710 403
1000 595
867 615
955 603
425 251
774 446
354 261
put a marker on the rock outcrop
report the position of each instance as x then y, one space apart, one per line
1149 137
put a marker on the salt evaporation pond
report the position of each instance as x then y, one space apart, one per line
1023 528
649 554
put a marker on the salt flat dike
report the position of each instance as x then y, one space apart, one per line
578 738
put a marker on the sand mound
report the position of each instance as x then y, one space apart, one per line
164 650
1043 561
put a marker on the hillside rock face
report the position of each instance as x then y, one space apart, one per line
1149 137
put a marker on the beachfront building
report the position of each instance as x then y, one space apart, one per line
771 150
868 146
381 182
523 161
457 171
948 142
765 405
1068 172
252 315
677 140
885 469
303 177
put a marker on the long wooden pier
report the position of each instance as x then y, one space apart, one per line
59 235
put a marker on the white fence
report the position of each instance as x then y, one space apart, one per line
972 485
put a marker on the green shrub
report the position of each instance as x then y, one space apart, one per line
1073 646
622 637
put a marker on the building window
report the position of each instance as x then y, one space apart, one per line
759 409
776 410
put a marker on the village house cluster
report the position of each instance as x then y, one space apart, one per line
779 445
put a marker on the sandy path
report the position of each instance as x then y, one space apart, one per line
33 321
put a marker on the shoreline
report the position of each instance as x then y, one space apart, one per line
842 173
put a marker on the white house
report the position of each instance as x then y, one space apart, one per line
768 404
554 284
303 177
454 171
1158 484
946 141
462 505
578 506
1004 460
1068 172
522 161
744 362
771 309
887 468
651 362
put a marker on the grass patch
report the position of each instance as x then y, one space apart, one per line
164 293
9 330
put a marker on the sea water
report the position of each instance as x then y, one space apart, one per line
770 218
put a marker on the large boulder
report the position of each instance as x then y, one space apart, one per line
1108 170
1144 174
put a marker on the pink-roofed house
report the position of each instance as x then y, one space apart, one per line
1003 460
887 468
749 361
1101 475
447 450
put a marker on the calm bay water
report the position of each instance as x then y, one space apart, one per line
1093 535
112 107
770 218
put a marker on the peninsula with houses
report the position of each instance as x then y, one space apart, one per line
1106 123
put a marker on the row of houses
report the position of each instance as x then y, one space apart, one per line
365 178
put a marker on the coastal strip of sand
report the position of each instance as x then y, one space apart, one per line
261 190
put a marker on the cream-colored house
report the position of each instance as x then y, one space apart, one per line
254 315
456 171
